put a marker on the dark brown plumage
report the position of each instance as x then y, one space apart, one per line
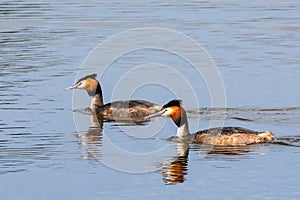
229 136
223 136
132 110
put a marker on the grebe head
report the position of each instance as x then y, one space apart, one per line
88 83
173 110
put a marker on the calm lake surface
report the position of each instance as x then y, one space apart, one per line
49 149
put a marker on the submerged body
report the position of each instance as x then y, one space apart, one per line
135 110
223 136
129 109
231 136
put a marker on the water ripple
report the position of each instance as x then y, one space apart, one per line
284 115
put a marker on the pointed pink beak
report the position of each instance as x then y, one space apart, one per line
71 88
157 114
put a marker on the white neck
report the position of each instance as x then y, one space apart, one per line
93 103
183 130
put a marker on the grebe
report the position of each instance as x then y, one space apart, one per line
223 136
135 110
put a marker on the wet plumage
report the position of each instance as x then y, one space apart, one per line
135 110
231 136
223 136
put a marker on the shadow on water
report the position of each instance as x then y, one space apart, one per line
175 170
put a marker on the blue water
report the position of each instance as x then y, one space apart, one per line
46 154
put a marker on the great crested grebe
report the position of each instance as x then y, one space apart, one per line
223 136
136 110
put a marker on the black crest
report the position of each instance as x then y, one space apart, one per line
93 76
171 103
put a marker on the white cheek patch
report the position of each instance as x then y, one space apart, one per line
167 112
81 84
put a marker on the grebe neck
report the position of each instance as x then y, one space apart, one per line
183 131
97 99
182 124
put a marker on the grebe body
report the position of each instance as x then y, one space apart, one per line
135 110
223 136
